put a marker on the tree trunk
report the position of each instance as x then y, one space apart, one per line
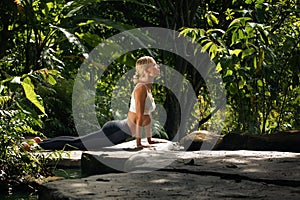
177 14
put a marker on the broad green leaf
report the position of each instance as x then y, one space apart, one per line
249 31
259 83
240 34
205 40
228 73
242 83
243 20
259 4
186 31
92 39
50 5
86 23
248 52
215 30
55 72
73 39
31 95
127 59
213 50
239 21
214 18
191 32
51 80
202 32
248 1
234 38
236 52
206 46
219 67
234 23
73 11
209 21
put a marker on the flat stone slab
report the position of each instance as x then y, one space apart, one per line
164 185
251 164
125 157
164 171
257 165
282 168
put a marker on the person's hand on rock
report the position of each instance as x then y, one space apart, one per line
151 141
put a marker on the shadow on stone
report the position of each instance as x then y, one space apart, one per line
282 141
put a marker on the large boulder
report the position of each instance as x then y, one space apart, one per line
200 140
125 157
288 141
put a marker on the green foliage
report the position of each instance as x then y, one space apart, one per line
22 114
254 43
255 55
29 62
16 164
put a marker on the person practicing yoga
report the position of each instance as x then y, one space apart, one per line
119 131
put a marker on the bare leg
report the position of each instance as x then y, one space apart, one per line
113 132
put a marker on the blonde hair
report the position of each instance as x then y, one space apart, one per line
140 66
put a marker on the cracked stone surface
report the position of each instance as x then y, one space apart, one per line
164 185
175 174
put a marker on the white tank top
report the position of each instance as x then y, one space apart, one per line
149 104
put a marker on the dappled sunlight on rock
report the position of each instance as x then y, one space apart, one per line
164 173
162 180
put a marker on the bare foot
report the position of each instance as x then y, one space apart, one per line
143 146
156 141
37 139
30 144
25 146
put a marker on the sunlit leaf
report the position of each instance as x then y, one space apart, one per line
214 19
242 83
236 52
206 46
31 95
51 80
259 83
219 67
228 73
215 30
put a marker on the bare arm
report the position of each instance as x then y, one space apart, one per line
140 95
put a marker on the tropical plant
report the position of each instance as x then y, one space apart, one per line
256 55
30 67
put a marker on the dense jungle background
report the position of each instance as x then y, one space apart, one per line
254 44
